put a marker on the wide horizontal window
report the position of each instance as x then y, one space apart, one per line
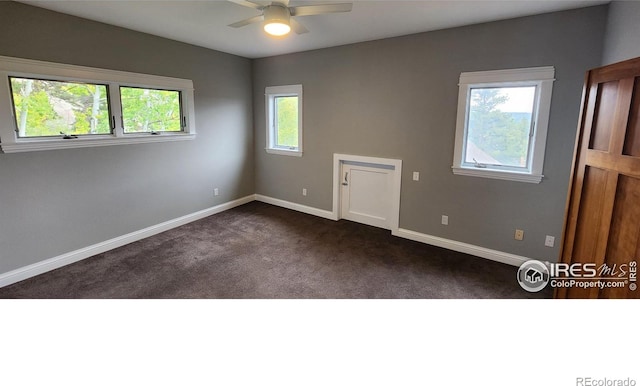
47 105
45 108
150 111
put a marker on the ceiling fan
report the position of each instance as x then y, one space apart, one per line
278 16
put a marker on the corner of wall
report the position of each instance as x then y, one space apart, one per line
620 41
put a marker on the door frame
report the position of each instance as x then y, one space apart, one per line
339 159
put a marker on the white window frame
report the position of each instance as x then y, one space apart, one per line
26 68
542 78
271 93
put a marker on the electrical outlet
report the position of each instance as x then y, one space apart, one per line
519 235
304 191
416 176
445 220
216 192
549 241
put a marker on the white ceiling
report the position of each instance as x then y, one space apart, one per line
204 23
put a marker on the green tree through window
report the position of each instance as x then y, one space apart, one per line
147 110
48 107
287 121
496 134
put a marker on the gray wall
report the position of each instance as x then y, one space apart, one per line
622 39
53 202
397 98
391 98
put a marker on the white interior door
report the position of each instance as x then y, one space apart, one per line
367 193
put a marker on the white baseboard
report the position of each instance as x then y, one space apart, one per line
490 254
92 250
297 207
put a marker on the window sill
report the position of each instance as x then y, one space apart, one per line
292 153
55 144
498 175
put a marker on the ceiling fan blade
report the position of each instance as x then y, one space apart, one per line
249 4
248 21
297 27
308 10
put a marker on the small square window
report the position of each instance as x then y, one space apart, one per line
502 123
284 120
500 126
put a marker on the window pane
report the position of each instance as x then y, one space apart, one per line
148 110
286 122
499 125
49 107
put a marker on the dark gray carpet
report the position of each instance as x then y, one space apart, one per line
261 251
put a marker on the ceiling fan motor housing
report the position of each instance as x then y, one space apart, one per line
277 13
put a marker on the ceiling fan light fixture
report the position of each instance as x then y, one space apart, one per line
276 20
277 28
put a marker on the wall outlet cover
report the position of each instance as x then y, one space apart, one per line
549 241
519 235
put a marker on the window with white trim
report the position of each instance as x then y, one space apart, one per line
501 127
283 107
47 106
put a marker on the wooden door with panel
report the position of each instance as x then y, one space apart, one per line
602 222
